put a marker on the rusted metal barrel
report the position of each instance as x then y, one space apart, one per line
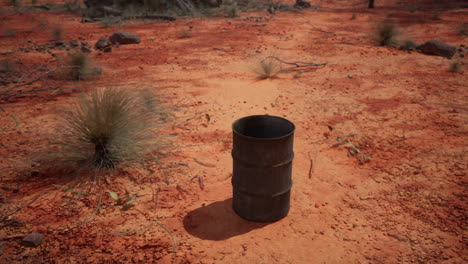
262 165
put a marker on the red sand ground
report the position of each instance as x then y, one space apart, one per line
405 110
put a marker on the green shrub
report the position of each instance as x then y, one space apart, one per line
111 126
386 33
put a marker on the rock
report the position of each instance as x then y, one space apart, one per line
123 37
85 47
437 48
103 44
74 43
302 4
60 43
33 240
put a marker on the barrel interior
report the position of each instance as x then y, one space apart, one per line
263 127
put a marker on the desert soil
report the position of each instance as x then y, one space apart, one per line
404 110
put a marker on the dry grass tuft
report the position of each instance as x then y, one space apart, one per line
110 127
268 68
386 34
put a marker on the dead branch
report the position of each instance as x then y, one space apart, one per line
311 168
204 163
18 91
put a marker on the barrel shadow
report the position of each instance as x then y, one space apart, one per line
217 221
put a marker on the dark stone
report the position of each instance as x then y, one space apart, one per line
123 37
103 44
74 43
60 43
86 49
33 240
437 48
302 4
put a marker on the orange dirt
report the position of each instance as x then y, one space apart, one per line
404 110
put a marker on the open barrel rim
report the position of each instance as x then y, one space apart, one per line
235 125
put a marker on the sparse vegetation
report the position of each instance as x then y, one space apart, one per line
353 16
268 68
185 34
77 67
437 16
109 127
72 6
386 33
108 21
10 33
454 66
413 8
408 45
15 3
57 33
6 66
463 29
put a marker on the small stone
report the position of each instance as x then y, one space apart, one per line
59 43
103 44
74 43
122 37
33 240
85 49
302 4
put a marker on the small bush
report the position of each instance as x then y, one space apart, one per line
185 34
454 66
437 16
108 21
57 33
7 66
386 34
413 8
463 29
15 3
353 16
268 68
109 127
77 66
10 33
408 45
155 5
72 6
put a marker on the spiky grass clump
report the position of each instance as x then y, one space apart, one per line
77 66
386 34
268 68
111 126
